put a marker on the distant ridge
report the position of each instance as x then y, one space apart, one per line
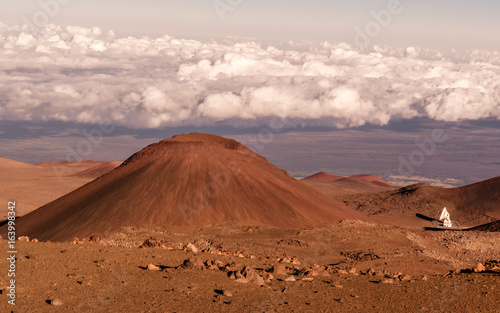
470 205
335 185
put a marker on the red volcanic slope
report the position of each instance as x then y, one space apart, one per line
185 182
98 170
323 177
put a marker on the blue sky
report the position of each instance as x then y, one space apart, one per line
462 24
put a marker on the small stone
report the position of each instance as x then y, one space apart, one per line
344 272
227 293
94 238
268 277
242 280
405 277
153 267
387 281
308 278
379 273
55 302
279 269
255 278
290 279
191 247
397 275
352 270
34 240
151 242
24 238
479 268
370 272
312 273
425 278
193 263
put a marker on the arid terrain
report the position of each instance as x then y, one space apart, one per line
200 223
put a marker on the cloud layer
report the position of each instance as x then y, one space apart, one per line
86 75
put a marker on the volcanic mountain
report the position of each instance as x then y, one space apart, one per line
473 204
185 182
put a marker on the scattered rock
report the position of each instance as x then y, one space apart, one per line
352 270
34 240
55 302
218 263
268 277
151 243
94 238
193 263
242 280
290 279
312 273
153 267
255 278
191 247
425 278
24 238
279 269
479 268
388 281
405 277
227 293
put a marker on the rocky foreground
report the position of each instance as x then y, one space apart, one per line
347 267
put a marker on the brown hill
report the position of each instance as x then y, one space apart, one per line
333 185
70 163
11 164
32 186
323 177
185 182
473 204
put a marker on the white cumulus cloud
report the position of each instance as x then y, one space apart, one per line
86 74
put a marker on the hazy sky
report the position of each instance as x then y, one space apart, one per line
470 24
